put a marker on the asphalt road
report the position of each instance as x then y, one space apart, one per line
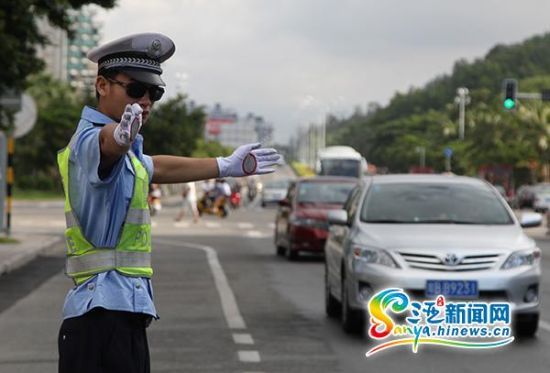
227 303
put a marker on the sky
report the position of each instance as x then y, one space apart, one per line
294 61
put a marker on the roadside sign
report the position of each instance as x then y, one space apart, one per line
448 152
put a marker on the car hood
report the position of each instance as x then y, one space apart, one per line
443 236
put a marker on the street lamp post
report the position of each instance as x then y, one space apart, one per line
462 99
422 151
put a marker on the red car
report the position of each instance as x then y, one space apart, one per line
301 223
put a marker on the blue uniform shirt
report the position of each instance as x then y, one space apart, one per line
101 207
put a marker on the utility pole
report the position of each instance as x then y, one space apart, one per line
462 99
422 151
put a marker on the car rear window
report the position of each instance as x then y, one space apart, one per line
433 203
319 192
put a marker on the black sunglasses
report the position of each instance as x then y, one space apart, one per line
138 89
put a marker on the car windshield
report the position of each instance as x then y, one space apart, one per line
318 192
279 184
433 203
340 167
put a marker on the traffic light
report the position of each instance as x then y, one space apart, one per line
510 91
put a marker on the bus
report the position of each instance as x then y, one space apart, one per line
340 161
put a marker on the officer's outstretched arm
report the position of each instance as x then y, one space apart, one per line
246 160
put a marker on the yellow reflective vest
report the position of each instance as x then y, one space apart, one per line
132 254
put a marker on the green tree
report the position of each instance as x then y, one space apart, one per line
35 153
205 149
19 36
173 128
427 116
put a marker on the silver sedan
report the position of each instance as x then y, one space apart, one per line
430 235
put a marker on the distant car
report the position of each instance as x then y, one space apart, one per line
430 235
274 191
525 196
502 192
541 200
301 223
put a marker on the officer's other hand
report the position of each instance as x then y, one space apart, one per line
126 131
248 159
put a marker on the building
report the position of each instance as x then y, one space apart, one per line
65 57
53 54
226 127
81 72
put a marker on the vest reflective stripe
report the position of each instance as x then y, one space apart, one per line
132 254
138 216
107 259
70 219
135 216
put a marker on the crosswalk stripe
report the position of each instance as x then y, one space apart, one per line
249 356
242 338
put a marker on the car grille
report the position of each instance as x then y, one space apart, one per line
437 263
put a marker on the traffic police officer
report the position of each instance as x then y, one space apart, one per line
108 237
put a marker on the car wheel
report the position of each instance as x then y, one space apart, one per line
291 255
332 306
352 320
526 325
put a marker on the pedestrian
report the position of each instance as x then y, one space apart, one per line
189 202
105 178
154 199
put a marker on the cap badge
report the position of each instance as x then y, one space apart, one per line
154 49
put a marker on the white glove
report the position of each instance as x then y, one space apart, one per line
129 126
248 160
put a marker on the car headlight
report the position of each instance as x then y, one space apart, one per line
364 255
522 258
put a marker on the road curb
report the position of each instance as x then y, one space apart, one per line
21 259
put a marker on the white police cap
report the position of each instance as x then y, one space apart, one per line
138 56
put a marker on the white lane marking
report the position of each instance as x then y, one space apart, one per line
154 224
271 225
57 223
23 222
245 225
249 356
243 339
229 304
210 224
544 325
181 224
256 234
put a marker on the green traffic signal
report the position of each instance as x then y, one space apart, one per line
509 104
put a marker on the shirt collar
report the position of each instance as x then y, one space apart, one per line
94 116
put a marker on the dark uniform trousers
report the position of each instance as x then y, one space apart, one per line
104 341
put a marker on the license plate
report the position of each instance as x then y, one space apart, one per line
451 288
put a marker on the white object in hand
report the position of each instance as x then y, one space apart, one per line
126 131
247 160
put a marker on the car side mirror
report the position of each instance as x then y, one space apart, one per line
530 220
338 217
284 202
